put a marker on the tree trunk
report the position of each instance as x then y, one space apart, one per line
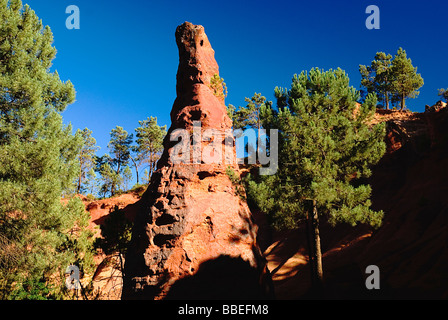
112 189
387 101
402 101
309 238
135 166
152 164
79 183
317 253
258 135
121 263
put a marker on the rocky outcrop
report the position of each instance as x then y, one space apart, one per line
435 108
194 236
410 187
408 127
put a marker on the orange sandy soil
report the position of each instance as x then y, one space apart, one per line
100 209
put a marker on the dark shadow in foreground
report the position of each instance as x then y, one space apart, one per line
224 278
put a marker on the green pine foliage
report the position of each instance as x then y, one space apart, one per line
120 148
378 77
249 116
127 177
149 146
35 289
325 147
406 79
231 110
218 86
86 157
116 233
40 235
393 80
109 177
443 93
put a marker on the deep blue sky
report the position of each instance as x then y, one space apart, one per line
123 60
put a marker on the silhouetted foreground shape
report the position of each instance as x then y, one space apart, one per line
193 232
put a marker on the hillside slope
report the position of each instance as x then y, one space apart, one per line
411 247
410 185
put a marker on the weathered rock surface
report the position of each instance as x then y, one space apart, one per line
436 107
410 248
194 236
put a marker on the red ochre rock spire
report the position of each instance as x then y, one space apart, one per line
194 236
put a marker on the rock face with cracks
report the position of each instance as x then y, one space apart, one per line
194 236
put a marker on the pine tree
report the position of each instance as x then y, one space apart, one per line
149 142
146 177
120 148
126 178
249 116
116 234
444 94
393 80
109 177
92 183
86 156
231 112
40 235
377 78
218 86
406 79
325 147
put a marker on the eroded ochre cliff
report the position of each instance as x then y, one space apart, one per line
410 248
194 236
